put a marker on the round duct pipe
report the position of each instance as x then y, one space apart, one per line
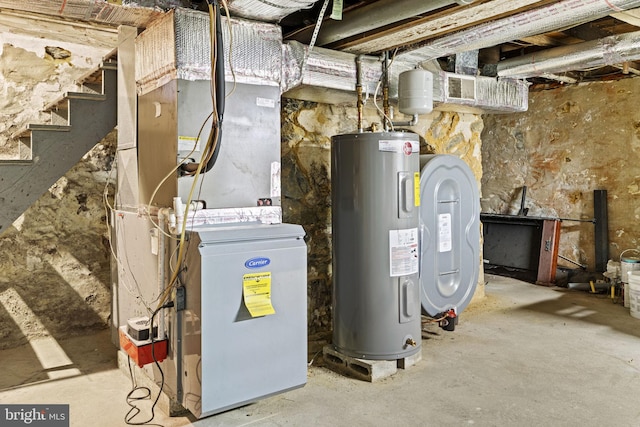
547 18
596 53
376 15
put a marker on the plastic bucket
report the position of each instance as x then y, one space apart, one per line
634 294
628 264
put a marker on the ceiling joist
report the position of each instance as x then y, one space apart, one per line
429 27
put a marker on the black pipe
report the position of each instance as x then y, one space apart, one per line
601 238
219 86
523 211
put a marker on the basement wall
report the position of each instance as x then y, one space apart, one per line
573 140
55 260
307 129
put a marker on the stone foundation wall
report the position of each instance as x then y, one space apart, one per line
572 141
307 129
55 259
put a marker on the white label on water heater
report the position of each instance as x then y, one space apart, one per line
398 146
444 232
403 252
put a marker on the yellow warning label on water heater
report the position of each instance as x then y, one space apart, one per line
416 188
256 290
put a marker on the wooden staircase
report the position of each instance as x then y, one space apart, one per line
78 121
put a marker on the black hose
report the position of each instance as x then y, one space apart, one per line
219 87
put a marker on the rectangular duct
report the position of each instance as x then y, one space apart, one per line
178 46
330 76
327 68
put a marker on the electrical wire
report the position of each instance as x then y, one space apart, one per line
433 320
109 209
169 175
211 147
134 411
207 153
131 398
230 62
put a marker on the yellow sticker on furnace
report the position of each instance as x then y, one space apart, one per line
256 289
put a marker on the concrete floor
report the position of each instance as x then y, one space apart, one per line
524 356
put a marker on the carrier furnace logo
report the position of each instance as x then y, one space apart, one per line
257 262
34 415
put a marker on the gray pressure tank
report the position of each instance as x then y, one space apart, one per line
375 187
450 234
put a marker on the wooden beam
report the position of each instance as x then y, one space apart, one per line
542 40
57 29
428 27
630 16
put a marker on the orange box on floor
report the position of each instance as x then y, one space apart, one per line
142 352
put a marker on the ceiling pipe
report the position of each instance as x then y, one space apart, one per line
610 50
376 15
265 10
565 13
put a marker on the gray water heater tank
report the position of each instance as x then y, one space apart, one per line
375 181
450 234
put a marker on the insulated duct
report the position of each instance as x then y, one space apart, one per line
264 10
376 15
597 53
544 19
327 68
99 11
330 77
178 46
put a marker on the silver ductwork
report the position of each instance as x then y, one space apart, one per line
330 77
597 53
327 68
264 10
376 15
544 19
130 13
178 46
